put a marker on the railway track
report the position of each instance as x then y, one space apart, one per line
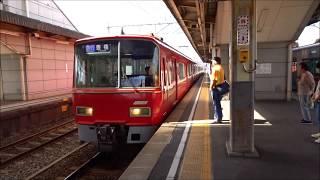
106 165
81 170
31 143
43 173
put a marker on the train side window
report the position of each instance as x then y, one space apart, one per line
182 73
170 69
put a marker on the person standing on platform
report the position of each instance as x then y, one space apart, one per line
217 78
306 86
316 99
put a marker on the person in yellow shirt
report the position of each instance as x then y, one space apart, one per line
216 79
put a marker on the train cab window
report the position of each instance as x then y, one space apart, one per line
139 64
97 64
182 73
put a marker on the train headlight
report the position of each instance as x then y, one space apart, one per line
84 111
140 112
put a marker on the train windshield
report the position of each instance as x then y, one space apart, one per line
98 64
139 64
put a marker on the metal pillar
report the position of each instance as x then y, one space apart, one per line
243 54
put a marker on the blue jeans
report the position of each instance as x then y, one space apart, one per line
305 110
317 108
216 99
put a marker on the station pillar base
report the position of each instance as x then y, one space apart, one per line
231 153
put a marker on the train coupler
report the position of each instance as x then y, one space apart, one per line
106 134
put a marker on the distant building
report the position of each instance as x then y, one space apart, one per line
36 50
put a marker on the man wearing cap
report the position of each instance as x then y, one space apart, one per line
217 78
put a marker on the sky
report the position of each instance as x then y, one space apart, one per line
105 17
309 34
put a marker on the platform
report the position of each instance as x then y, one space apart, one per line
19 117
196 149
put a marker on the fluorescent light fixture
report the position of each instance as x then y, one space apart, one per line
262 19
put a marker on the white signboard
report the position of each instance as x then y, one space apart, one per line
243 30
264 68
128 70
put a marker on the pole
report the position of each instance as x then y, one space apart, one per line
243 54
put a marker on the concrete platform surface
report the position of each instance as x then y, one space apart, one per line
286 149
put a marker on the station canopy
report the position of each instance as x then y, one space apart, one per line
207 23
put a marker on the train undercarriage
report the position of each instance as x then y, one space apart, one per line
108 136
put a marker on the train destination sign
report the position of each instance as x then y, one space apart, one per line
96 48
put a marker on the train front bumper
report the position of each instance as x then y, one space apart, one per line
109 134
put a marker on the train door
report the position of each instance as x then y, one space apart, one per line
170 83
164 79
176 76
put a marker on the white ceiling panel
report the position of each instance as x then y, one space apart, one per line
287 23
277 20
266 16
295 3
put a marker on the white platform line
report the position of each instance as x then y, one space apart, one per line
178 155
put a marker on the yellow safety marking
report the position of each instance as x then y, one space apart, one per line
196 163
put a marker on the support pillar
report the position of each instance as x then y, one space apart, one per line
243 54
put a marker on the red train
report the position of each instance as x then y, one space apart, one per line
124 86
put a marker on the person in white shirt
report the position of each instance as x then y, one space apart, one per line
306 86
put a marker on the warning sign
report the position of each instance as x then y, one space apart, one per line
243 30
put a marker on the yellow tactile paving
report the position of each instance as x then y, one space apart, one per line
196 163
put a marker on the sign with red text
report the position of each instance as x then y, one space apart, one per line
243 30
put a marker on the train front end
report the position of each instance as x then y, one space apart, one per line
117 96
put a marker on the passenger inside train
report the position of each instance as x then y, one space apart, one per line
148 77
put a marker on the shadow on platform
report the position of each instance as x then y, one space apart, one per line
287 151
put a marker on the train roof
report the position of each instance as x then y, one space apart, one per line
148 37
306 47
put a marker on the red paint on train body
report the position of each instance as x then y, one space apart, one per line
116 95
